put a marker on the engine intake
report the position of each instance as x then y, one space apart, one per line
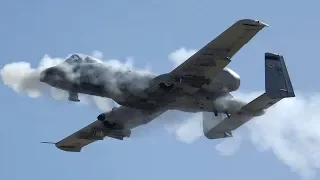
101 117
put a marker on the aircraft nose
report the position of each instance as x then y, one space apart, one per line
43 75
52 73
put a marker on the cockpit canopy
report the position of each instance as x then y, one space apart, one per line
74 58
79 58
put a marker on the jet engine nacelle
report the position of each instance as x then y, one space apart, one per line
112 129
104 116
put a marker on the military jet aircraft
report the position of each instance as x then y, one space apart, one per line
193 86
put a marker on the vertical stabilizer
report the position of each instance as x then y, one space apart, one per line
277 82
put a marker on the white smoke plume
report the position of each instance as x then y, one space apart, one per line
290 129
180 55
22 78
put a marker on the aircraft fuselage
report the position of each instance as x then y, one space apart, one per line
126 86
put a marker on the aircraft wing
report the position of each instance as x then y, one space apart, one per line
278 86
76 141
205 64
200 68
128 118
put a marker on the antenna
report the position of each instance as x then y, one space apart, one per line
48 142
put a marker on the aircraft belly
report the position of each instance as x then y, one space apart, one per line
92 88
192 104
131 117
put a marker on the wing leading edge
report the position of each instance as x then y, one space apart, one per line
278 86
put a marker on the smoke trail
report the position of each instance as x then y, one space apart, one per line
180 55
228 103
22 78
290 130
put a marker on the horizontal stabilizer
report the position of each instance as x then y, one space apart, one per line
278 86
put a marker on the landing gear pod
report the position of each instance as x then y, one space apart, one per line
73 97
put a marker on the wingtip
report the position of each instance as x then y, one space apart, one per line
262 23
64 148
253 22
69 148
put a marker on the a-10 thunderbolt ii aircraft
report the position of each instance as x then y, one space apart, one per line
193 86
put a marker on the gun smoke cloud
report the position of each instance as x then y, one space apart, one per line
22 78
290 129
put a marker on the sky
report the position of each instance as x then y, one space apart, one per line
284 144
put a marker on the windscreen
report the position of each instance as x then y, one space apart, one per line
74 59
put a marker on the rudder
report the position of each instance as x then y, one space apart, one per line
277 81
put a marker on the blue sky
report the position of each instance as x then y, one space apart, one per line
147 31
